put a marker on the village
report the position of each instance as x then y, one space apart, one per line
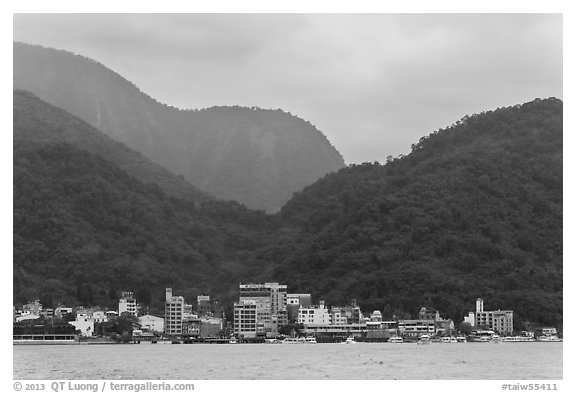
263 313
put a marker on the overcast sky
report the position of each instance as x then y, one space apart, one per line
373 83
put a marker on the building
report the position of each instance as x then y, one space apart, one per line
151 323
61 311
246 319
337 317
352 312
208 307
500 321
173 313
293 303
314 315
270 301
127 304
34 308
416 327
84 323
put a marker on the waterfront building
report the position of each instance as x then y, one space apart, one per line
151 323
84 324
245 319
208 307
336 316
270 301
127 303
352 312
416 327
211 326
173 313
314 315
501 321
191 326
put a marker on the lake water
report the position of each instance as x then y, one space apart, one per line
362 361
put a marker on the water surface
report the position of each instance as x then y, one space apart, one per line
367 361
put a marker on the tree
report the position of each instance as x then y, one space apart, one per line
465 328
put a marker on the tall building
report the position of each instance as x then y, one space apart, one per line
501 321
269 302
127 304
245 319
173 313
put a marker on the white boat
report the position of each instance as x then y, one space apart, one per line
299 340
424 339
293 340
495 339
461 339
396 340
516 339
446 339
548 338
232 340
350 340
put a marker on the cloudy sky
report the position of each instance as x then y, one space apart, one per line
373 83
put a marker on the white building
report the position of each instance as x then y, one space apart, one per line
501 321
127 304
173 311
246 319
416 327
151 323
85 324
314 315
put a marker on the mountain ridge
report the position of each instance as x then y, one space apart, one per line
255 156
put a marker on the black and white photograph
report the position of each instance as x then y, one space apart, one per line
270 196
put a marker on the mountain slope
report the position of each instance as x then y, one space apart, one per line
474 210
38 123
85 227
254 156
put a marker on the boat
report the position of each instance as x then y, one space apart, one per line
516 339
424 339
45 339
461 339
232 340
310 340
453 340
350 340
293 340
446 340
396 340
495 339
548 338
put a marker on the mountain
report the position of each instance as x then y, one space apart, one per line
255 156
38 123
474 210
92 217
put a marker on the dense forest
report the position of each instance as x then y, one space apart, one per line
474 210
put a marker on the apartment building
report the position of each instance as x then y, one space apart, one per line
173 313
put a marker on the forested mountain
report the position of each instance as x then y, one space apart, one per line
474 210
91 220
255 156
38 123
